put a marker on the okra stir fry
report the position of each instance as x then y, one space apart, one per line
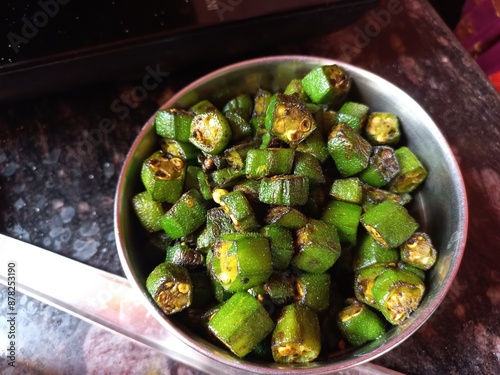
284 220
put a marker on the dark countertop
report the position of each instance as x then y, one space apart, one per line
59 168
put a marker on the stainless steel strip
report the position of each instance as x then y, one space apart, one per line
106 300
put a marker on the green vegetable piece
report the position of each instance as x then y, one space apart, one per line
309 166
281 242
382 168
398 293
418 251
185 216
353 114
196 178
370 252
261 102
373 196
315 145
240 128
163 177
148 211
318 247
268 162
345 217
224 177
295 87
240 211
389 223
347 190
328 84
313 290
171 287
244 260
218 222
359 324
289 119
183 150
383 128
364 280
296 337
411 174
280 288
284 190
174 124
349 150
236 155
210 131
326 119
241 323
417 271
250 188
182 254
241 104
286 217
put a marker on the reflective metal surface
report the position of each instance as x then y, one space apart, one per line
440 206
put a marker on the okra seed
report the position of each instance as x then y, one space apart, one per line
183 288
279 126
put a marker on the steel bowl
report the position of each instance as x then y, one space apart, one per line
440 205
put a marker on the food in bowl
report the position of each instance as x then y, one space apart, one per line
277 207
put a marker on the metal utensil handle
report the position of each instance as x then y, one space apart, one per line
104 299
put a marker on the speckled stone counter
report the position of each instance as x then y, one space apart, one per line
60 156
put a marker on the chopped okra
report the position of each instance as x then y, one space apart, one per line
270 203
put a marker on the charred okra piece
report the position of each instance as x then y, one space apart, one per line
328 84
241 323
418 251
241 104
389 223
295 87
185 216
359 324
398 293
174 124
349 150
318 247
260 103
375 195
280 287
309 166
286 217
239 210
224 177
382 167
218 222
148 211
284 190
163 177
364 279
382 128
370 252
236 155
180 253
353 114
315 145
345 217
411 172
240 128
244 260
171 287
296 337
347 190
289 119
197 179
183 150
268 162
210 131
281 244
313 290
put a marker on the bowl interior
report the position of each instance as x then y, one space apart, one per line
440 205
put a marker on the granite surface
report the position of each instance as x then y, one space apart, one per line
61 153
